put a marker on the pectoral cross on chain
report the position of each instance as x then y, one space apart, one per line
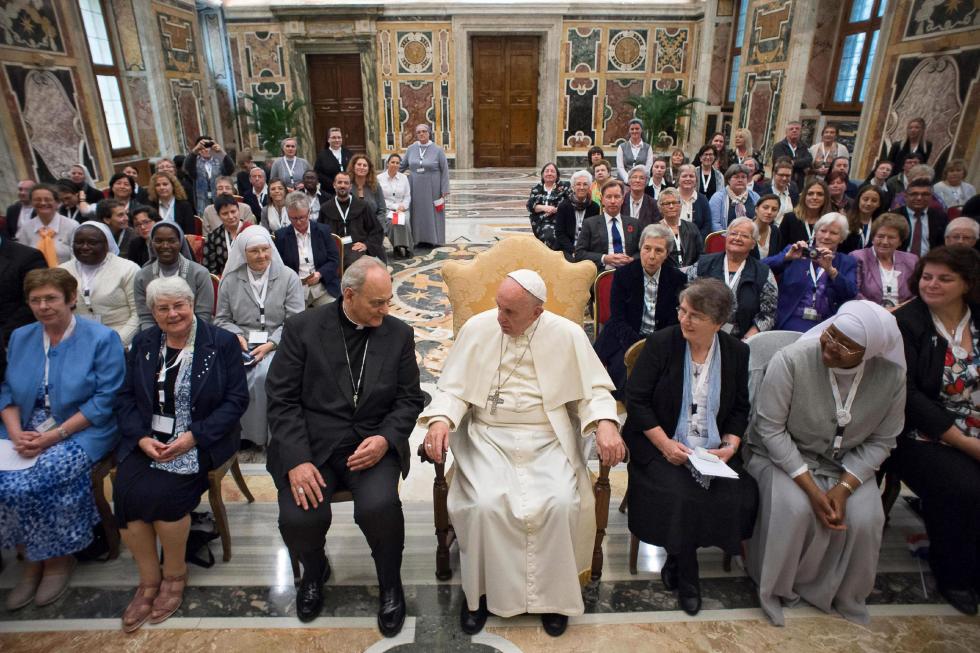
494 400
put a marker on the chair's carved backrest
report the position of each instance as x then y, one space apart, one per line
762 347
472 284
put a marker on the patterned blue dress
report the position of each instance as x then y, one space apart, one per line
48 508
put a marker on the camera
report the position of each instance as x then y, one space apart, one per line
207 143
810 252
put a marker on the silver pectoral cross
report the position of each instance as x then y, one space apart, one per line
494 400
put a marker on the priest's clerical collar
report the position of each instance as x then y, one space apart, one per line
344 317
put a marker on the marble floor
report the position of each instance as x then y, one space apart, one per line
247 604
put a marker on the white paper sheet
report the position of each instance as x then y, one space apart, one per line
712 467
10 460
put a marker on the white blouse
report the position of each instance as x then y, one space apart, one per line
397 191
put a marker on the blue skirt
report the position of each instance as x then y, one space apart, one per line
49 508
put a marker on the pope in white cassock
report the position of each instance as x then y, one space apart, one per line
521 389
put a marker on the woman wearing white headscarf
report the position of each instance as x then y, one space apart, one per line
256 295
105 280
828 413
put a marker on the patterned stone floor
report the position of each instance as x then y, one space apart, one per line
247 604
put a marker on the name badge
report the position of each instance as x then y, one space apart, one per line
347 240
258 337
810 314
162 424
46 425
420 169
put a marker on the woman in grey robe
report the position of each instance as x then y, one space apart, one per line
429 178
257 293
828 413
167 259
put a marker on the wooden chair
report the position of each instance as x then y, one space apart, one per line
196 243
715 242
215 476
100 472
215 280
339 242
602 295
472 287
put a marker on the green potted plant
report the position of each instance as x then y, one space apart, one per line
272 121
661 113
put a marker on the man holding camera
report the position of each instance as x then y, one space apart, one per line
204 164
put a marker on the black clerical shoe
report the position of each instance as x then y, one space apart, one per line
309 596
964 600
689 597
668 574
473 622
391 612
554 624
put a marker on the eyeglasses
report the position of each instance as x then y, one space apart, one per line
164 309
696 318
834 342
736 235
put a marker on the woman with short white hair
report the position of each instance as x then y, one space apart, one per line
815 279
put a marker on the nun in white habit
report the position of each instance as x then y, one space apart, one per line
256 295
827 415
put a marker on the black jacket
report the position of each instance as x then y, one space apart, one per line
219 393
327 166
801 161
565 225
326 259
361 226
626 306
925 356
593 240
937 228
16 260
750 285
183 216
653 392
13 218
310 395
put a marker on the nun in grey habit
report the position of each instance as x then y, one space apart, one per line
256 295
828 412
429 178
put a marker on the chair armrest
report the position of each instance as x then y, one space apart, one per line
425 458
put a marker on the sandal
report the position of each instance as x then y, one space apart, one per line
169 599
139 609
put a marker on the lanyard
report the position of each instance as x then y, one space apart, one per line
73 215
87 280
162 374
260 295
47 361
289 168
815 275
343 214
889 279
956 338
228 238
677 243
706 179
732 282
207 168
865 234
843 411
809 231
702 378
422 151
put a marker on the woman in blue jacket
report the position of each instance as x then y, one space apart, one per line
815 280
179 409
56 403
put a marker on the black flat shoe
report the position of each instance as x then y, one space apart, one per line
964 600
668 574
473 622
391 612
309 596
689 597
554 624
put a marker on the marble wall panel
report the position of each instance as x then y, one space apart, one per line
31 25
760 102
143 118
128 34
49 121
188 104
415 83
825 40
179 44
613 60
259 65
928 18
769 33
721 49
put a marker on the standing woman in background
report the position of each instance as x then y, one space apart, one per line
398 198
364 186
429 179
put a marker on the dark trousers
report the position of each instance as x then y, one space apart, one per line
377 511
948 483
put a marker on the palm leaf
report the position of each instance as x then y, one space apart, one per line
272 120
661 112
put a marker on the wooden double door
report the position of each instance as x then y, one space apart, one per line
337 98
505 100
